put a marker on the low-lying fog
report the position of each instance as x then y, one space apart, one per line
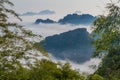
52 29
88 67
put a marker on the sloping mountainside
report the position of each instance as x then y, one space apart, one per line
73 45
84 19
44 21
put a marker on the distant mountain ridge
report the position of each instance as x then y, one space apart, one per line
46 12
84 19
43 12
28 14
44 21
74 45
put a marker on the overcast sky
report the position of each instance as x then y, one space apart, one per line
63 7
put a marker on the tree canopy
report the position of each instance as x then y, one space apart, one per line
14 40
107 41
107 29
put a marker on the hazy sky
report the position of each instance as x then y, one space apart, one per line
61 7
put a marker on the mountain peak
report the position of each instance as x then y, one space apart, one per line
74 45
84 19
44 21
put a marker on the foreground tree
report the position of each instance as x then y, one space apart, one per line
18 50
107 41
95 77
47 70
15 44
108 30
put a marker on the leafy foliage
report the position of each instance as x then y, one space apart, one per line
47 70
110 68
14 41
95 77
39 47
43 70
107 31
15 45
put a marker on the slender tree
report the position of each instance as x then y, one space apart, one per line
107 30
15 44
107 41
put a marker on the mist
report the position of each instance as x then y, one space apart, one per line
88 67
45 30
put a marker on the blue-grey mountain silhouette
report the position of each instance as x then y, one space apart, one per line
75 19
44 21
84 19
28 14
46 12
74 45
43 12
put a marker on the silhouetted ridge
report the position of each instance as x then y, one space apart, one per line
43 12
84 19
74 45
44 21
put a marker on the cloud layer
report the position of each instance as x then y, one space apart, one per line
88 67
52 29
45 30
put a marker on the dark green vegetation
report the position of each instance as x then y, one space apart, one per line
95 77
108 30
40 48
110 68
47 70
43 70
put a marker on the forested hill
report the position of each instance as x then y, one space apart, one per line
74 45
